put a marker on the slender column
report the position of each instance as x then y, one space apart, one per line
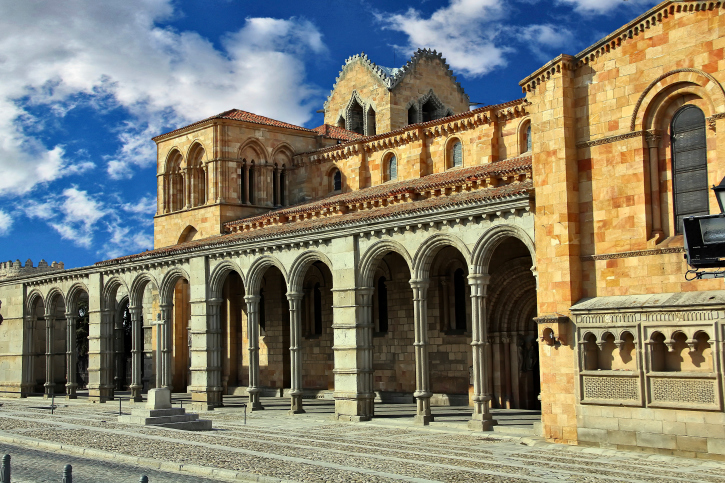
165 333
71 356
277 195
497 372
206 354
253 337
422 374
653 141
118 353
506 360
515 385
481 419
295 319
29 354
49 386
136 353
186 179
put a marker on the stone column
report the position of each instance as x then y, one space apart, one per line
506 360
136 353
481 419
118 359
653 141
246 183
295 319
422 370
277 195
206 348
49 386
253 336
29 354
186 180
353 349
515 385
71 356
497 394
164 365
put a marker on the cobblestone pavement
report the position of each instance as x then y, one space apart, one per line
274 446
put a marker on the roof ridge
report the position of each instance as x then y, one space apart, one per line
392 81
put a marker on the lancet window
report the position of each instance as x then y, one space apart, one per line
689 164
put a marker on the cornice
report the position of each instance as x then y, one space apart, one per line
638 253
610 139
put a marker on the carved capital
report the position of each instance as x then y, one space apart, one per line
653 138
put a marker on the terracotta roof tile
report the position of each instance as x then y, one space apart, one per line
335 132
462 199
239 115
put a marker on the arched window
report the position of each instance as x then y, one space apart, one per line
412 114
689 164
275 187
392 168
371 122
457 155
243 185
382 306
429 111
317 295
528 138
337 180
525 137
459 288
341 122
283 188
355 118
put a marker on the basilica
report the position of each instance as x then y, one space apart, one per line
521 255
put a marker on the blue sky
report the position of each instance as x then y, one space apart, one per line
85 84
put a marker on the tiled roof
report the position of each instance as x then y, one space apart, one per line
450 177
340 221
435 122
335 132
239 115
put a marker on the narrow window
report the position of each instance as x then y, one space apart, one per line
393 167
689 165
262 311
341 122
337 180
382 306
251 185
275 188
412 115
429 111
528 138
318 309
371 122
457 154
355 118
282 186
244 183
459 287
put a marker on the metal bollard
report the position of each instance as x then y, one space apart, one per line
244 405
5 470
119 407
143 479
68 474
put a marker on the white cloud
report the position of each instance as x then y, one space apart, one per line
544 39
464 31
145 206
6 222
115 54
605 6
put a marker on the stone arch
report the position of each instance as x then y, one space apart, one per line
491 239
521 134
197 152
188 234
219 276
284 150
137 288
385 171
429 248
52 296
253 149
174 160
369 261
300 266
714 89
440 109
110 288
330 175
166 289
73 294
449 161
350 118
32 299
256 272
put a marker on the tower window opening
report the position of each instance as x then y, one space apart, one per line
337 180
355 118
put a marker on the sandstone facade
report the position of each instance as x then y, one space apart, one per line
519 255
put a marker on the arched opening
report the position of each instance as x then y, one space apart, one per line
174 183
393 339
317 335
355 118
336 180
274 334
449 329
36 346
56 332
181 336
251 196
341 122
283 188
429 111
515 380
144 308
197 177
123 340
455 154
689 164
81 331
525 137
413 114
371 128
188 234
390 168
233 318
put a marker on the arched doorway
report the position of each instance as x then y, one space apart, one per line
514 381
233 313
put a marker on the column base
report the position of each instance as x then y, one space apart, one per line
136 395
423 419
254 403
481 424
100 394
296 404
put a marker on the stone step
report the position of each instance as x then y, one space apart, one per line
198 425
515 429
155 413
181 418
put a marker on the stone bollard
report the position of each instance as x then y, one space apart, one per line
143 479
68 474
5 470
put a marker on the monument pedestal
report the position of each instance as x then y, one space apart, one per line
158 412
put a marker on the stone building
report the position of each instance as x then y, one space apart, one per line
520 255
